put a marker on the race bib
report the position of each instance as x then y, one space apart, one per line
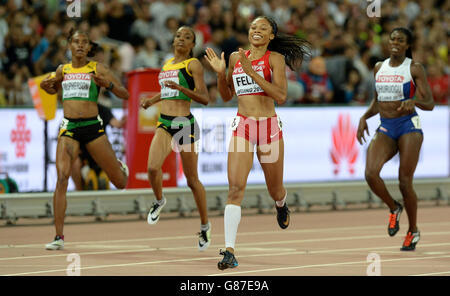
244 84
170 75
416 122
64 124
235 123
76 85
280 124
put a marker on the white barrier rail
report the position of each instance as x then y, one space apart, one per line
301 196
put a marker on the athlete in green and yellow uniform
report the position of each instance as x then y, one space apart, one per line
181 80
80 83
183 129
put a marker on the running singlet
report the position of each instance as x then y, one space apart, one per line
244 84
394 83
179 74
77 83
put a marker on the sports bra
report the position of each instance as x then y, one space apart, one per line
244 84
77 83
395 83
179 74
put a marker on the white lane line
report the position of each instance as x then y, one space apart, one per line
432 273
254 233
242 245
241 256
322 265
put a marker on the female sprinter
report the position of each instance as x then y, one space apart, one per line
80 82
181 80
258 78
397 79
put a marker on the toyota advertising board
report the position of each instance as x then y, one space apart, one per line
320 146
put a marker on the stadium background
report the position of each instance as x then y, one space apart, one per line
136 34
133 34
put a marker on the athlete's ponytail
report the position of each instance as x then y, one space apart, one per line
295 49
409 37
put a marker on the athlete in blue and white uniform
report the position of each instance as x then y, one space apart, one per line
400 85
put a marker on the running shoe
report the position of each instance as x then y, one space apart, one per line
124 167
56 244
411 240
394 220
228 261
204 239
283 216
153 215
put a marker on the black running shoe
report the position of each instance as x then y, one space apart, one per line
394 220
411 240
228 261
283 216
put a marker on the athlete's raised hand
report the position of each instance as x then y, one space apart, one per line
218 65
245 62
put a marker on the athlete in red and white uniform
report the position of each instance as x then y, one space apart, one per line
258 78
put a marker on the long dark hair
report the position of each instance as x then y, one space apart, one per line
409 39
295 49
94 45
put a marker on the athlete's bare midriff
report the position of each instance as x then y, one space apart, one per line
389 109
175 107
256 106
75 109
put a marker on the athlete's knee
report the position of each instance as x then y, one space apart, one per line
236 192
405 182
153 170
62 178
371 174
122 183
193 182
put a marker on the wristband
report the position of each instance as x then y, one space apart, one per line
110 87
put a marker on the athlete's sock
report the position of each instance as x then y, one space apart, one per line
232 217
162 201
205 227
280 203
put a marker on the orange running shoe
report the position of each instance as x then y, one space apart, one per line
411 239
394 220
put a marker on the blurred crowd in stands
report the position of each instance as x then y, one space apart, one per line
346 42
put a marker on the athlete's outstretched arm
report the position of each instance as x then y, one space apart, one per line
277 89
200 94
424 99
104 78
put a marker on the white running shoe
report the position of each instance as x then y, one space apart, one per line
57 244
124 167
204 239
153 215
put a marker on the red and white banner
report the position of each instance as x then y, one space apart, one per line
22 147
